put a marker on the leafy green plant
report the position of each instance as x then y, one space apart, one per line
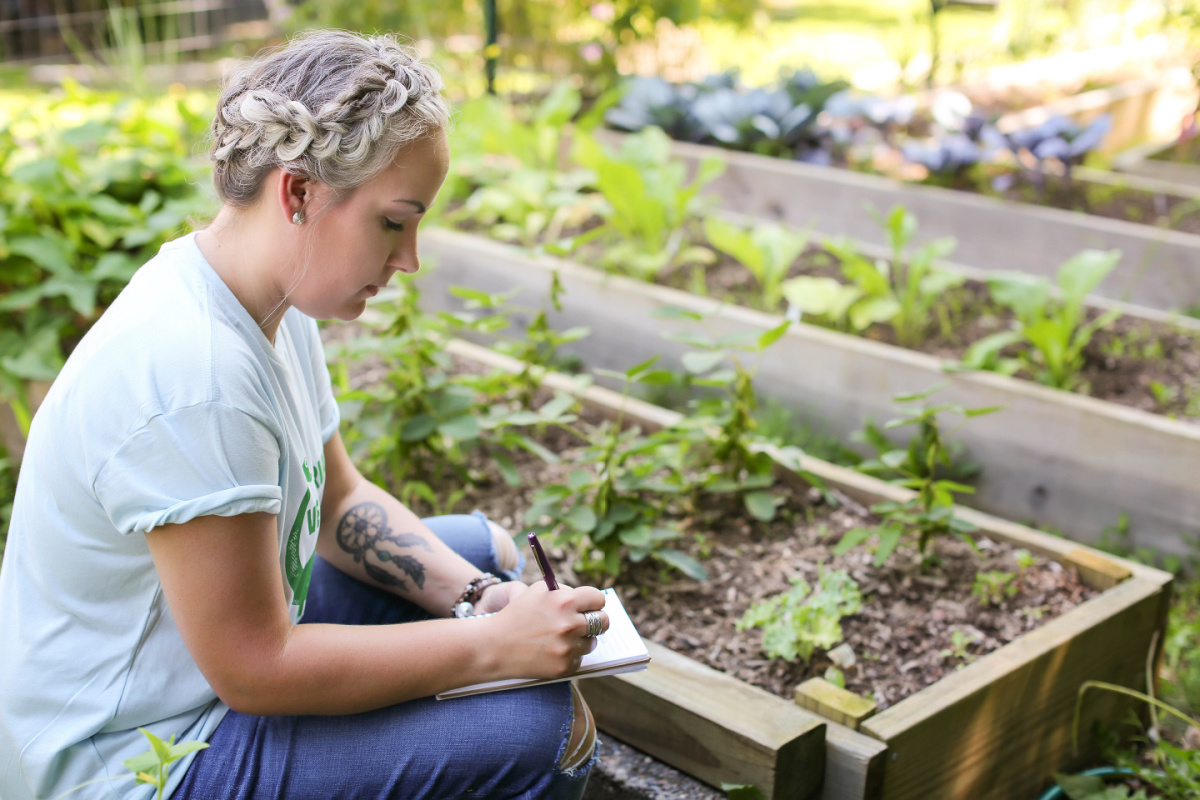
742 791
527 205
416 428
1174 771
992 587
647 201
8 492
91 185
610 509
152 766
767 249
900 291
797 622
723 450
930 512
1055 329
959 649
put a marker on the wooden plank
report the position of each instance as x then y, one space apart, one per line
854 765
833 702
712 726
997 728
1095 569
1049 457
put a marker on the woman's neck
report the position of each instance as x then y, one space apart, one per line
249 263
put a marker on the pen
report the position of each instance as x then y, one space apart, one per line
542 562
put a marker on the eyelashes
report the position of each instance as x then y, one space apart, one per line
392 226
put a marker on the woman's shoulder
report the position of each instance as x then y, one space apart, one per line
169 341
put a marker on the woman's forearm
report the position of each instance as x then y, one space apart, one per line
373 537
348 669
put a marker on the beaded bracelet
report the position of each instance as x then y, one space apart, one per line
464 606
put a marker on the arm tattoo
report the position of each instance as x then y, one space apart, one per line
364 529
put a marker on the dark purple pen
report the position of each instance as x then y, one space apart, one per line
543 562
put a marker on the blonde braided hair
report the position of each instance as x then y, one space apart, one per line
331 105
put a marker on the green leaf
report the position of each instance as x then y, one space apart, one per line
682 562
141 763
581 518
508 470
761 505
460 428
820 297
1084 271
51 253
742 791
418 428
697 363
770 337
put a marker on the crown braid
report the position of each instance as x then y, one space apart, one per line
332 105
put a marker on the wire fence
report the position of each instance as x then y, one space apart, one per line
42 31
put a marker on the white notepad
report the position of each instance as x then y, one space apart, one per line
619 649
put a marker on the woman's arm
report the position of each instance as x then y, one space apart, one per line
222 580
371 536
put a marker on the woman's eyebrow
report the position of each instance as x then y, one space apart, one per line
419 205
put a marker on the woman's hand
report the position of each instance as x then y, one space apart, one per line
543 634
498 596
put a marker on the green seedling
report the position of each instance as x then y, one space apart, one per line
610 509
151 767
930 513
768 250
1053 331
992 587
960 642
900 292
797 622
647 201
720 431
415 428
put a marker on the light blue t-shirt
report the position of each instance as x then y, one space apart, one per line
173 406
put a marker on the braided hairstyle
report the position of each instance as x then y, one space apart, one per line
330 105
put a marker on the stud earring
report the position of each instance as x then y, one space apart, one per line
298 218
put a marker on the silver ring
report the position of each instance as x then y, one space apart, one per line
595 623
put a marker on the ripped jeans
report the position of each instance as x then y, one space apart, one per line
498 746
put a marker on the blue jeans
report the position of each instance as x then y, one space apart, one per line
502 745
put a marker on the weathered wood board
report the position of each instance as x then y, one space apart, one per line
712 726
1050 457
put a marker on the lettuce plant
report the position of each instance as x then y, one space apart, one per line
797 622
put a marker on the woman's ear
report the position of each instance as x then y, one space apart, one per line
293 194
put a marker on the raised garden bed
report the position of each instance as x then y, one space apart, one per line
1050 457
997 727
1159 268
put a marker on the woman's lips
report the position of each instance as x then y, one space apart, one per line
372 290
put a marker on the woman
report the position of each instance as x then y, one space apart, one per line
185 500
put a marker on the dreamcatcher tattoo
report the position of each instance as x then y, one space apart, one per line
362 531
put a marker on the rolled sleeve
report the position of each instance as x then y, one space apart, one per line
207 459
